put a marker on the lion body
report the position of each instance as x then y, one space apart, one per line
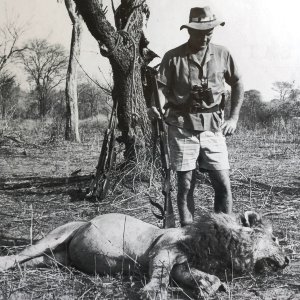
194 254
112 243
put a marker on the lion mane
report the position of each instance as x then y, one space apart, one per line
217 243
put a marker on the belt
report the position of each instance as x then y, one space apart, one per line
192 109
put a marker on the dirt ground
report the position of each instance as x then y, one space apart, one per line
36 196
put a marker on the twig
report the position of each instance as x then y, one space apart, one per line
125 174
30 219
126 199
247 178
293 284
277 212
31 182
136 208
95 82
109 85
250 192
13 139
82 296
113 7
122 272
265 202
31 225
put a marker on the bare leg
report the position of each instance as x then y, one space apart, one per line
221 183
160 268
56 258
185 196
49 243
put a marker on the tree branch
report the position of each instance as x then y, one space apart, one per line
94 16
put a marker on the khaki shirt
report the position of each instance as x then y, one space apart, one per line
180 70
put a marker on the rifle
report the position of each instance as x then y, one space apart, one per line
100 184
160 127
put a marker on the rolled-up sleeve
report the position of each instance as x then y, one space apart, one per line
232 75
164 77
165 71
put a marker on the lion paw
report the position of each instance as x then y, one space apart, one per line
6 262
151 292
210 290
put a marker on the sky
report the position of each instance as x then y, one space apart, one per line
262 35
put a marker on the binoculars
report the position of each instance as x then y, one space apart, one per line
201 93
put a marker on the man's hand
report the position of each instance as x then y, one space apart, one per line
229 127
153 113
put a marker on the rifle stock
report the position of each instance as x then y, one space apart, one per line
168 220
100 185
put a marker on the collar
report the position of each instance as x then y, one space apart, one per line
207 56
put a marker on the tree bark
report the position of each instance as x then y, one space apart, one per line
123 49
3 104
72 118
42 101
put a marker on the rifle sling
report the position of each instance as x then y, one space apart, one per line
159 207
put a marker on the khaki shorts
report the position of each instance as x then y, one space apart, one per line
187 145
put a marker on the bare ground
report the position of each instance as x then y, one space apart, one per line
35 197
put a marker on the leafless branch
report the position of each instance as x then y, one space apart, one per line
107 91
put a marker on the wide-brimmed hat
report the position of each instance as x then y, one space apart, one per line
201 18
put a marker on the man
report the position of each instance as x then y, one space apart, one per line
191 84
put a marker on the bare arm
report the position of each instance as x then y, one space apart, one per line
237 97
152 111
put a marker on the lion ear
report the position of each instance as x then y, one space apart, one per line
250 219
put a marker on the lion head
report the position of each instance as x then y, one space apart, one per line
267 253
220 242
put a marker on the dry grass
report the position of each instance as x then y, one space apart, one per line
265 177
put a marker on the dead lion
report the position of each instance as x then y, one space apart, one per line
192 255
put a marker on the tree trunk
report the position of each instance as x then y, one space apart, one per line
42 98
3 104
72 119
123 49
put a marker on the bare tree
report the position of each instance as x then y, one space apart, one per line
8 87
295 95
283 88
91 100
46 66
72 132
126 47
10 34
